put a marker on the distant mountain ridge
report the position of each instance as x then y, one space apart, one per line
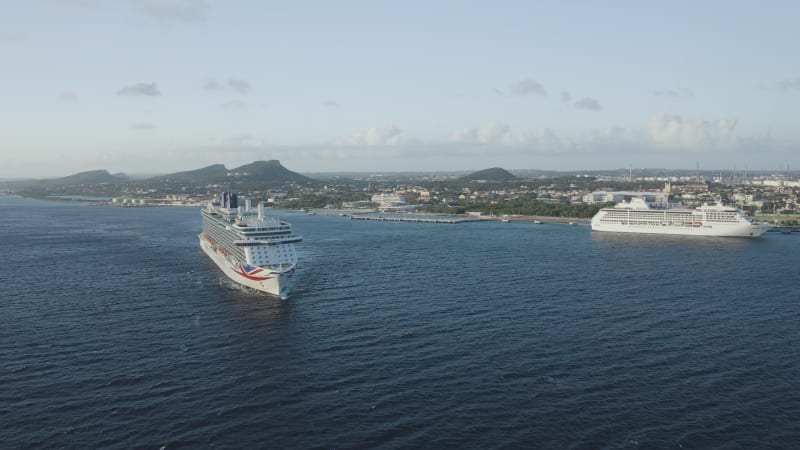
89 177
268 171
264 172
205 173
258 171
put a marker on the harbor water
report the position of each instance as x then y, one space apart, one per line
116 331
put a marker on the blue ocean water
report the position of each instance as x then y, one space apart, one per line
117 332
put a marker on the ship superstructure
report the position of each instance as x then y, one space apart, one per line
251 248
637 216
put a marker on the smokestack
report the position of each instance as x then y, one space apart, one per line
260 210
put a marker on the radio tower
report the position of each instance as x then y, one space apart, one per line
697 171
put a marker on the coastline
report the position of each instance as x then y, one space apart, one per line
396 216
108 201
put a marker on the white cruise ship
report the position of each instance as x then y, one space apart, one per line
251 249
636 216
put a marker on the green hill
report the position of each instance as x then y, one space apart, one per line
204 174
493 174
90 178
86 178
267 171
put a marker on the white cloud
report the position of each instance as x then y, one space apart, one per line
565 97
672 131
332 104
663 133
589 104
527 87
232 84
240 86
665 136
373 137
499 135
140 89
494 133
239 140
213 85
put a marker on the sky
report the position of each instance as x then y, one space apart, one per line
148 86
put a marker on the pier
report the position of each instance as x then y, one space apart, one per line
421 217
415 219
540 219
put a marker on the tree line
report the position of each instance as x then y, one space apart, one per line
524 207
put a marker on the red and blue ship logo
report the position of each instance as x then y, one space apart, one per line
251 273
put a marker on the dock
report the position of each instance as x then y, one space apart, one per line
379 216
541 219
415 219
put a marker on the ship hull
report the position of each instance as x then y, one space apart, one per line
734 230
270 281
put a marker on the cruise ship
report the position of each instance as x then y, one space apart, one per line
250 248
637 216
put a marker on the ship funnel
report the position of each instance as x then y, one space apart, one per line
260 211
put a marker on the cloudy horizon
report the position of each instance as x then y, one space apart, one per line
144 86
